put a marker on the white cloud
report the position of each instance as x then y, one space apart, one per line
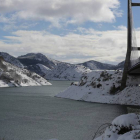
68 11
121 27
105 46
4 19
12 26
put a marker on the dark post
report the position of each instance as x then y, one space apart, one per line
129 45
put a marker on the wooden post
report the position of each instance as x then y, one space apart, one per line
129 45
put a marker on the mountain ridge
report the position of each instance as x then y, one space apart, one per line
55 70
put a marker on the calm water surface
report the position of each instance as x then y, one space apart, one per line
33 113
56 87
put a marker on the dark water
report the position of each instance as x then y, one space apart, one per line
32 113
52 90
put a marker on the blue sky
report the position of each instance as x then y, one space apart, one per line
67 30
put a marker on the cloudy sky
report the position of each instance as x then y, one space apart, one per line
67 30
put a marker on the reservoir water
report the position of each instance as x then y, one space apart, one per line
33 113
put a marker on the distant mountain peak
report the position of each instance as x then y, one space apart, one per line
94 65
37 58
33 56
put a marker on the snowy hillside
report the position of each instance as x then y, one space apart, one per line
43 69
52 69
120 65
56 70
37 58
11 75
40 69
94 65
124 127
66 71
11 59
62 71
103 87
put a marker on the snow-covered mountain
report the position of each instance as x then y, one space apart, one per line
37 58
120 65
52 69
8 58
56 70
40 69
65 71
11 75
94 65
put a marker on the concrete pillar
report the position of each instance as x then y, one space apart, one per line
129 45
